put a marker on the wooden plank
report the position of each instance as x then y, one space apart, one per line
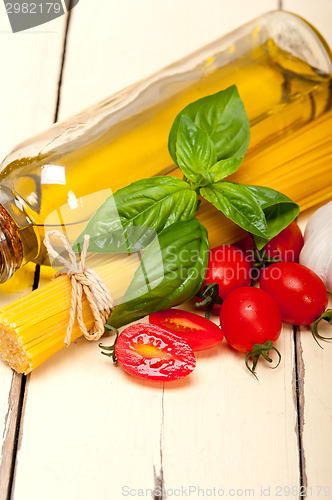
137 38
315 405
314 363
28 89
89 429
223 429
10 416
30 61
316 410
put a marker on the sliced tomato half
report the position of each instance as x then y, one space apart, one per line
149 352
200 333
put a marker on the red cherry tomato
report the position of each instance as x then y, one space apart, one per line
228 268
300 294
149 352
200 333
286 246
249 316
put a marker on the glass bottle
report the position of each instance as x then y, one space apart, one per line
282 68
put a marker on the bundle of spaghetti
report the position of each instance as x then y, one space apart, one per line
33 328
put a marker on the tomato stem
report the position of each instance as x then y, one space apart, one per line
261 257
261 350
210 296
327 316
111 328
111 348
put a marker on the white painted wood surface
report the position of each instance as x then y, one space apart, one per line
317 415
88 429
316 418
135 38
227 430
30 63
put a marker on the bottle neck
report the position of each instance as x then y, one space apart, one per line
18 242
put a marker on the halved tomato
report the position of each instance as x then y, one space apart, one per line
149 352
200 333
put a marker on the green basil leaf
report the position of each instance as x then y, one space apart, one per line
222 169
222 116
129 219
238 203
195 151
172 270
279 211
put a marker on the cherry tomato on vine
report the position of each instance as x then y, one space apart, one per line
300 294
228 268
286 246
200 333
250 321
249 316
149 352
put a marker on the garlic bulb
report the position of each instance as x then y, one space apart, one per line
317 251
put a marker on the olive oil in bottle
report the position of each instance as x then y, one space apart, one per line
282 69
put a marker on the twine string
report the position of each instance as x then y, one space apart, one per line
84 281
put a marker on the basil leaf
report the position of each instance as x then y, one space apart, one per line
129 219
172 270
279 211
238 203
222 116
195 151
222 169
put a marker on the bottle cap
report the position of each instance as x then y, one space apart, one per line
11 251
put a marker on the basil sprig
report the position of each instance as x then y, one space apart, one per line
207 141
172 270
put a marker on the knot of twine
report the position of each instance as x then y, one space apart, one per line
84 281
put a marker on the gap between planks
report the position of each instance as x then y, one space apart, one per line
159 484
11 433
298 391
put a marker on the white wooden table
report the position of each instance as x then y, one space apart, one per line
78 428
